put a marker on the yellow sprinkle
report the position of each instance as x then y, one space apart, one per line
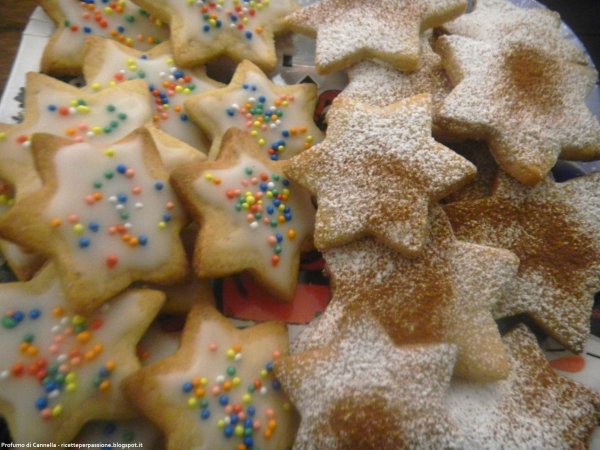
203 381
77 319
221 423
208 176
96 86
264 373
187 91
239 430
247 398
57 410
170 61
83 109
261 142
112 83
2 135
97 130
78 228
71 387
71 377
192 402
178 88
281 207
254 133
236 381
285 103
162 225
73 102
230 353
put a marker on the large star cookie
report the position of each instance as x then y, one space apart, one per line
108 63
554 229
52 106
106 216
239 29
496 21
349 31
377 173
529 107
379 84
445 295
534 408
252 218
218 390
280 118
364 392
120 20
60 369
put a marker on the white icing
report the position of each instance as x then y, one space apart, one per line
23 392
157 344
156 72
224 111
78 166
255 235
138 431
142 33
212 365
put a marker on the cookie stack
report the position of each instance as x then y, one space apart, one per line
130 202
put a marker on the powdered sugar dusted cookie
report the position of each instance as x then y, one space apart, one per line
280 118
379 84
350 31
60 369
502 21
251 217
529 107
554 229
534 408
218 390
108 63
120 20
240 29
445 295
106 216
377 173
59 108
364 392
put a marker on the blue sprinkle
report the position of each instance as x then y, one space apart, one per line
231 112
246 86
159 185
288 217
51 386
233 18
103 372
206 28
274 157
287 210
285 133
263 186
143 240
19 316
144 57
121 168
253 88
286 183
205 414
87 30
184 117
122 198
279 238
84 242
224 400
251 411
248 441
110 428
270 210
187 387
52 108
228 431
277 202
179 74
248 34
262 99
121 29
167 217
248 423
93 226
218 23
41 403
276 385
234 419
34 314
151 87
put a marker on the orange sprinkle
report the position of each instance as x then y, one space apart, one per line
110 365
55 223
104 386
237 348
58 311
84 337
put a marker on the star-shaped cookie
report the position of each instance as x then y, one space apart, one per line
60 369
279 118
502 21
362 391
52 106
554 229
251 217
527 106
534 408
350 31
377 173
445 295
218 390
379 84
108 63
76 20
239 29
106 216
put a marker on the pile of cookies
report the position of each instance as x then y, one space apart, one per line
125 203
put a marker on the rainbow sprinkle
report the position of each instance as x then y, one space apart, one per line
240 15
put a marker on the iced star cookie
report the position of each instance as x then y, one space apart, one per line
240 29
60 369
527 106
502 21
218 390
379 84
120 434
554 230
106 215
534 408
377 173
251 217
364 392
76 20
445 295
52 106
279 118
350 31
108 63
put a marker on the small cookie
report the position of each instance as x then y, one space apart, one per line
60 369
496 21
239 29
535 408
350 31
280 118
251 217
379 84
445 295
377 173
527 106
76 20
364 392
57 107
120 434
108 63
218 390
106 216
554 229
